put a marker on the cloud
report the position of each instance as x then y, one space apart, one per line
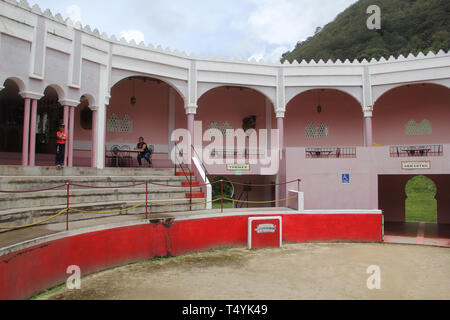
135 35
74 12
272 55
277 25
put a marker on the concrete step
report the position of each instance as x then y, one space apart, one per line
18 217
52 171
59 197
15 183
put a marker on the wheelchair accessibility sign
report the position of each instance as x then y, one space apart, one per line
346 178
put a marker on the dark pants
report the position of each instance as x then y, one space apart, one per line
60 153
145 155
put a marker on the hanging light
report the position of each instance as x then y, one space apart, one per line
133 99
319 106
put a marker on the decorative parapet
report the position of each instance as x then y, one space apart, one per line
104 36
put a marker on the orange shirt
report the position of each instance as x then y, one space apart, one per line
62 137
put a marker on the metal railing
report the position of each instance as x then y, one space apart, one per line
330 152
186 172
416 151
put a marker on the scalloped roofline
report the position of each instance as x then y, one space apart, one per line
150 47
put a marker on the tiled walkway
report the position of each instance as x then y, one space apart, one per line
420 233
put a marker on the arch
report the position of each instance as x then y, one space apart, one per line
381 91
294 92
143 106
50 113
178 85
412 114
205 88
58 89
18 81
90 101
420 203
232 106
324 117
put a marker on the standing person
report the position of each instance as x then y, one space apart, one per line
144 152
61 146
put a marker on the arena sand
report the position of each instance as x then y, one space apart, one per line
297 272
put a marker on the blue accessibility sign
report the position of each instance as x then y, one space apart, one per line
346 178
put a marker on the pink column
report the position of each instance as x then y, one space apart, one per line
33 118
280 124
66 124
26 132
368 131
71 131
94 139
190 126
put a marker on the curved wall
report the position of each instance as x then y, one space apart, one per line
29 269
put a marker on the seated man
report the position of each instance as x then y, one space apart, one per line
144 152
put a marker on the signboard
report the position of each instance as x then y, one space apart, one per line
264 232
346 178
238 167
416 165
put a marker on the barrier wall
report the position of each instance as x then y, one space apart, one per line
25 271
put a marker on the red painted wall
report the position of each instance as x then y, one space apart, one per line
39 268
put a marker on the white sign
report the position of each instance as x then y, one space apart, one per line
414 165
266 228
238 167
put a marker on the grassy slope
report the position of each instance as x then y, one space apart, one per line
421 204
408 26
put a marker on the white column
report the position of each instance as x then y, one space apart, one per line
269 122
103 102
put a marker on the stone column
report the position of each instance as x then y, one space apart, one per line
281 176
368 132
94 138
280 124
66 127
71 132
26 132
191 110
33 118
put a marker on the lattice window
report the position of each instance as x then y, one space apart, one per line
415 129
114 124
314 132
425 127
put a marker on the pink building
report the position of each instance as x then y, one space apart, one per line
353 132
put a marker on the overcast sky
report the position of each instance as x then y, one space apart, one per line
242 28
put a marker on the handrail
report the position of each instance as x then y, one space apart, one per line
68 206
189 180
201 162
178 151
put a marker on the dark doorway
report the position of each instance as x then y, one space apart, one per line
50 113
11 123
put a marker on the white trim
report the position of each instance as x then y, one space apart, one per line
31 95
69 103
250 220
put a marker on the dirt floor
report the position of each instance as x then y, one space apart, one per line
296 272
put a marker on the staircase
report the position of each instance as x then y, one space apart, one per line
25 208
